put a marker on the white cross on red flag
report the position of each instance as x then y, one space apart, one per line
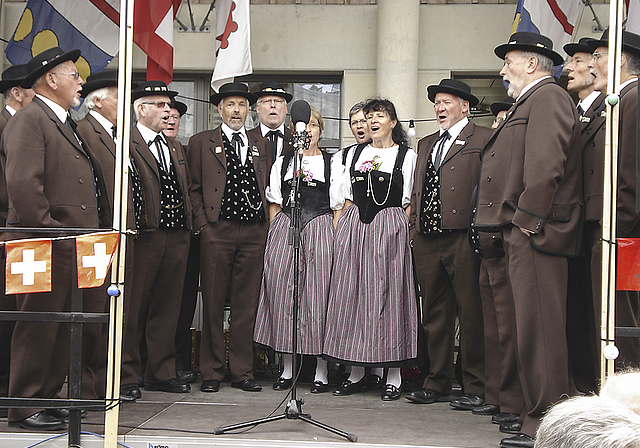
94 254
28 266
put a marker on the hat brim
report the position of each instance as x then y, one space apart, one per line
574 48
217 97
605 43
499 106
9 83
433 90
139 94
180 107
287 96
502 50
28 81
92 86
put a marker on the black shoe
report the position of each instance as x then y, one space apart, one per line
172 385
63 414
348 388
391 393
186 376
210 386
504 417
426 396
319 387
282 384
519 441
248 385
511 427
130 392
466 402
486 409
40 421
374 382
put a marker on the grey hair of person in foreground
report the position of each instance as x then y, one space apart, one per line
589 422
624 387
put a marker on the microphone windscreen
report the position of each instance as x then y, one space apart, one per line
300 112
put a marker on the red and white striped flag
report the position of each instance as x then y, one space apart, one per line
28 266
233 42
94 253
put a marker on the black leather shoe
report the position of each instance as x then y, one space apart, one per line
186 376
282 384
63 414
466 402
426 396
391 393
486 409
374 382
519 441
40 421
248 385
511 427
319 387
210 386
172 385
130 392
348 388
504 417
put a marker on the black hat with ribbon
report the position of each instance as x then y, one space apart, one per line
454 87
528 41
108 78
45 61
273 88
150 88
12 77
233 89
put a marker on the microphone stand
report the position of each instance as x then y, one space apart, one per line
293 409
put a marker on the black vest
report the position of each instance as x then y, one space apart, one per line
431 203
172 215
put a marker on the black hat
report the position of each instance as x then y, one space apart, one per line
273 88
529 42
630 42
582 46
98 81
454 87
45 61
150 88
499 106
233 89
12 77
180 107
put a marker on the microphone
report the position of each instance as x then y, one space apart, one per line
300 115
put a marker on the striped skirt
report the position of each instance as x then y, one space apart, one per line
273 321
372 316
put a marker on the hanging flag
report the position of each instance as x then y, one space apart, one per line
88 25
628 266
94 253
552 18
633 16
153 33
28 266
233 42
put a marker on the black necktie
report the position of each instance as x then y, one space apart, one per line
113 132
158 141
439 152
273 140
70 124
580 111
237 143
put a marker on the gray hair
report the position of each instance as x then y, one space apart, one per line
589 422
136 103
100 94
356 108
545 63
624 387
633 63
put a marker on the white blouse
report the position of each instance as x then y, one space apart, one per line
310 164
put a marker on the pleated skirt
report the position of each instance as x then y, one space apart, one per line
273 321
372 315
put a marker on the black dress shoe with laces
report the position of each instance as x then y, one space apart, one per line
172 385
130 392
486 409
391 393
427 396
519 441
282 384
210 386
466 402
186 376
511 427
504 417
348 388
40 421
248 385
319 387
63 414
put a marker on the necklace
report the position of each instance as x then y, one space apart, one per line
372 193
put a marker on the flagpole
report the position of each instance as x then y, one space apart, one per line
125 61
607 329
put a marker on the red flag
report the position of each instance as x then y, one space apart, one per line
94 253
153 33
628 269
28 267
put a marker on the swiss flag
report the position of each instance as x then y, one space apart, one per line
28 266
94 254
153 33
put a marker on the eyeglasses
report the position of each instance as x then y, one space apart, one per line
596 56
362 121
273 101
159 104
175 117
75 75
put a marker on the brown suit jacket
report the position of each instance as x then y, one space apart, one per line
592 158
458 176
263 142
148 169
208 165
531 173
5 116
51 177
627 218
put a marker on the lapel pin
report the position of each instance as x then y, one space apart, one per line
218 149
459 142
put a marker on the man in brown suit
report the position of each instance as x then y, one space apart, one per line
530 189
229 176
15 97
627 220
447 269
51 182
161 247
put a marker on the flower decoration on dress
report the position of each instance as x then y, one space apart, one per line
370 165
307 176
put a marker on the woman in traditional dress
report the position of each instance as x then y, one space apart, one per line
372 317
273 322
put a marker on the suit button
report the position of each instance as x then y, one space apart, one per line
493 153
453 188
83 207
212 207
495 237
219 171
591 171
80 181
77 156
489 179
380 179
215 189
490 204
453 168
454 211
537 225
553 215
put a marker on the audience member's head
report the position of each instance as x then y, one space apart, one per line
624 387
